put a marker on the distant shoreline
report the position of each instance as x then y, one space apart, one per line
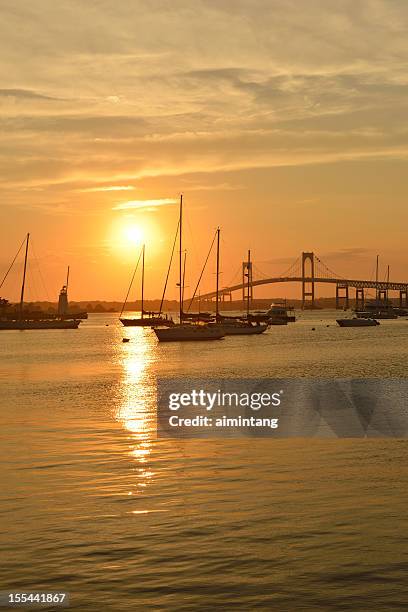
111 306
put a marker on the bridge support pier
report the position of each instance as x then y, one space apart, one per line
308 286
339 297
360 298
382 295
403 296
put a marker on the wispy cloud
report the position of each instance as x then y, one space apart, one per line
26 94
144 204
297 95
108 188
350 253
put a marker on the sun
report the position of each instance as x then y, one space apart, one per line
133 234
127 236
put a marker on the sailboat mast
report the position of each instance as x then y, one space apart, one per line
66 284
217 276
184 276
24 277
376 280
181 260
143 269
248 288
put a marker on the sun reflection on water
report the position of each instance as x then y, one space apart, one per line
136 405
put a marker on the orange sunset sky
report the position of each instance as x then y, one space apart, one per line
282 121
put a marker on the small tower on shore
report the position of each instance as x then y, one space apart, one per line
63 298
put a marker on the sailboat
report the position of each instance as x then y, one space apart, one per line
147 318
183 332
234 326
22 320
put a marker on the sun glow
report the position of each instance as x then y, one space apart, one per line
128 234
133 234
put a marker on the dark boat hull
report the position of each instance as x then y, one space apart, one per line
46 324
231 329
376 315
147 322
357 322
188 333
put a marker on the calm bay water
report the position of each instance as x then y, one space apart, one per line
92 503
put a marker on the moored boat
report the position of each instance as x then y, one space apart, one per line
356 322
278 314
184 332
146 319
22 319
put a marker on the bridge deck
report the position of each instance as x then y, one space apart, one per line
358 284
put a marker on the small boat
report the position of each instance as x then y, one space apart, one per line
400 312
278 314
146 319
184 332
356 322
125 339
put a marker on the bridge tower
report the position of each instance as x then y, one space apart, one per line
308 289
403 295
342 287
247 288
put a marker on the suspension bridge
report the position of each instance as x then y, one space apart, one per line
309 270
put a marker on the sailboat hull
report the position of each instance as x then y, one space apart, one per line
147 322
46 324
187 333
357 322
244 329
